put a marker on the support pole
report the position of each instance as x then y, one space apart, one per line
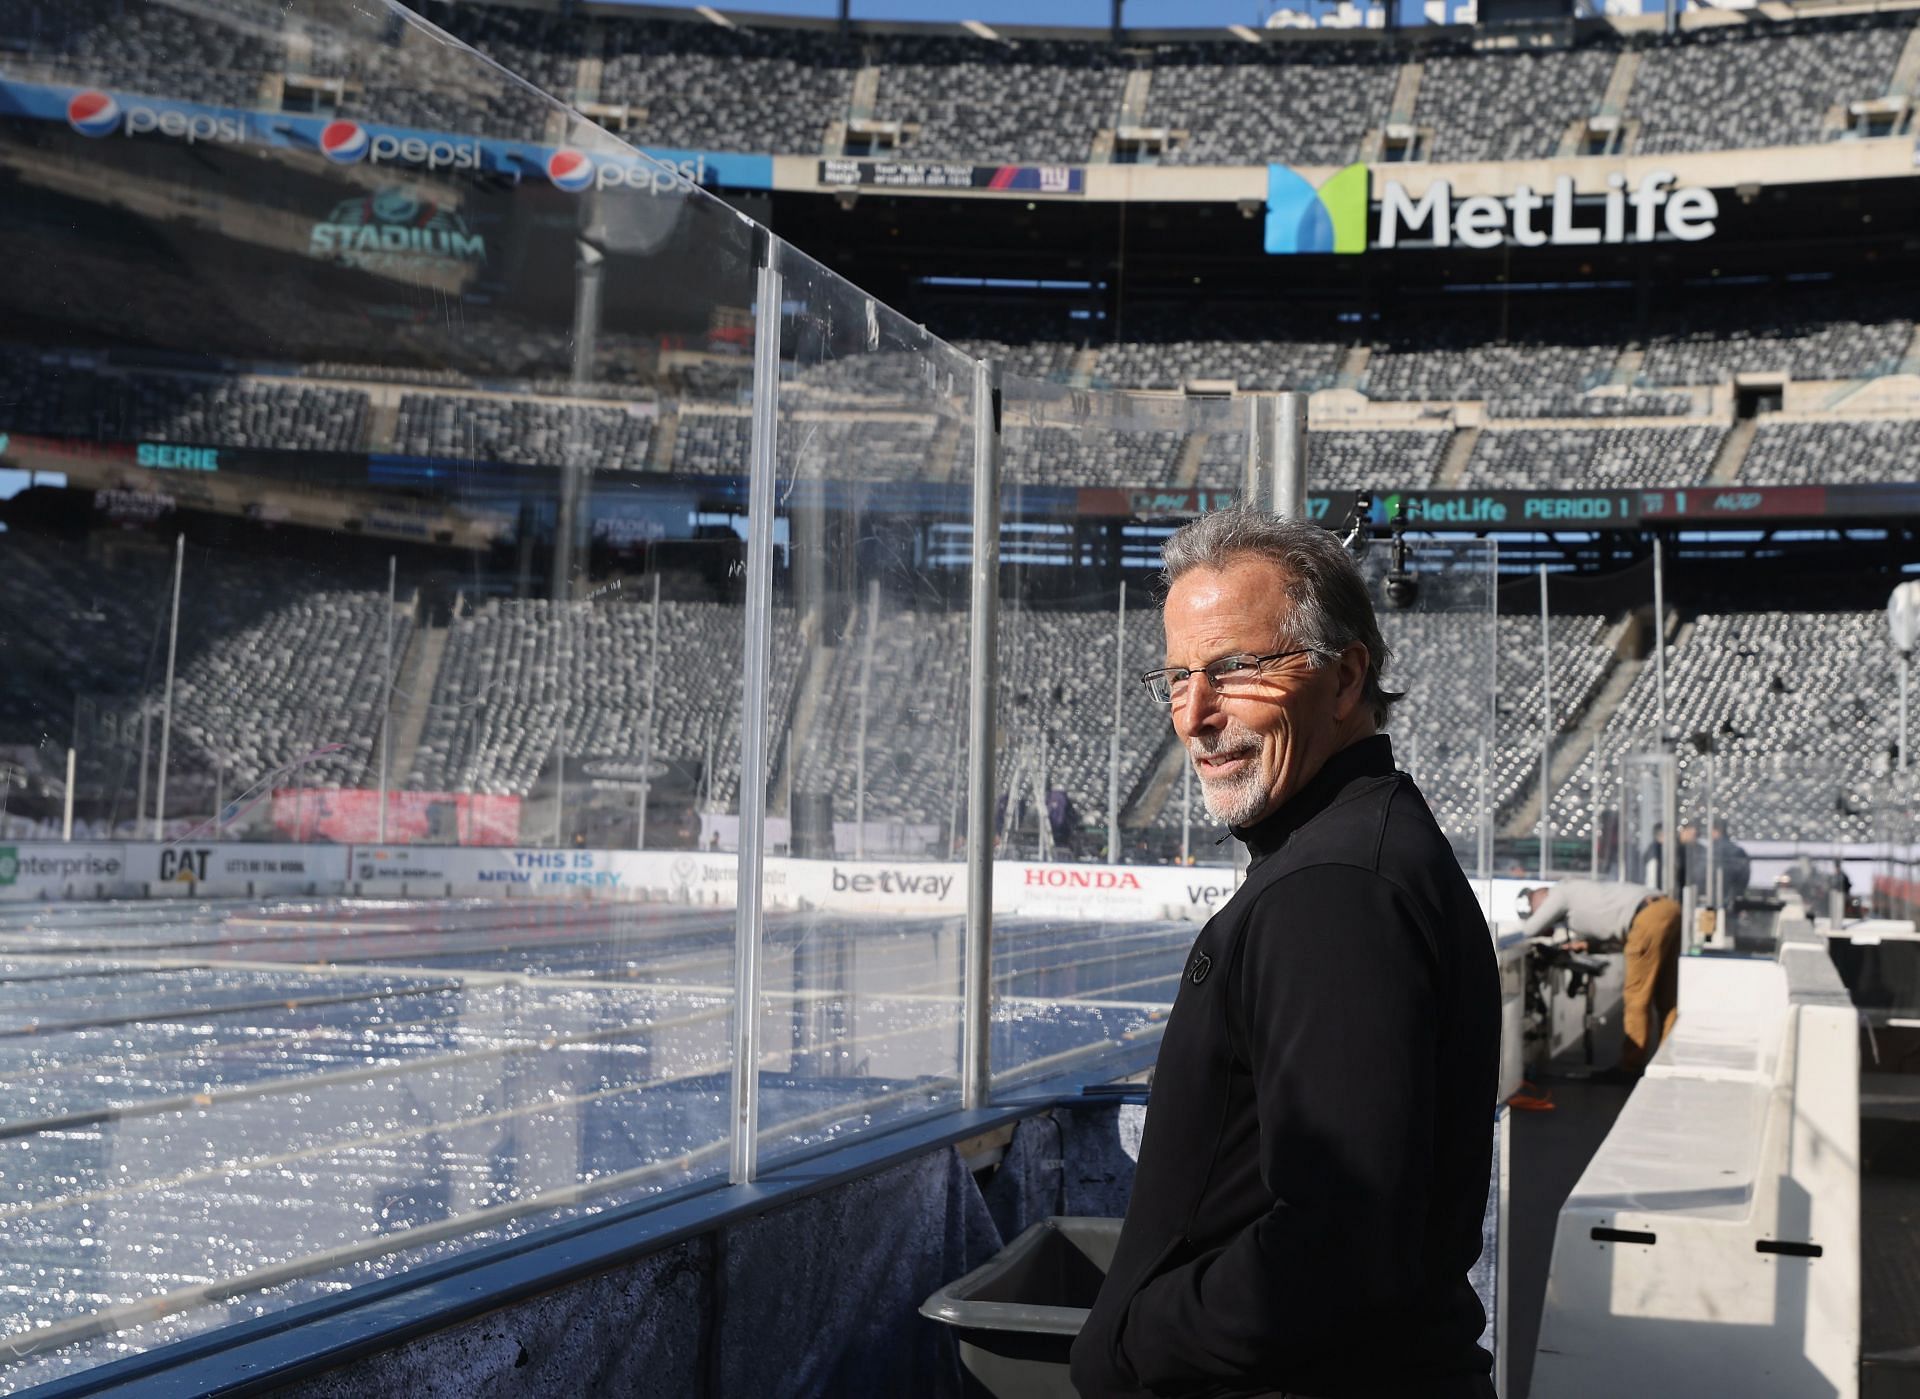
1593 805
1906 665
66 815
1713 889
976 1067
1113 735
1186 810
860 744
140 787
386 706
1289 482
1660 639
1546 728
166 712
756 668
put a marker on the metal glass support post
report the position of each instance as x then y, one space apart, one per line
1660 639
386 705
976 1067
588 267
1113 736
1290 456
756 666
166 711
1546 727
1713 891
66 815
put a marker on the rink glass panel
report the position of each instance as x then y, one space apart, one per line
305 373
1085 960
863 932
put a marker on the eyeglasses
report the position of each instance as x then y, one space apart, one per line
1226 675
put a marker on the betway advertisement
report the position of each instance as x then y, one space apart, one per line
112 114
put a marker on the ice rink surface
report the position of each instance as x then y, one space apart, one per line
209 1110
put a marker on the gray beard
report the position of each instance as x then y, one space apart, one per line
1236 801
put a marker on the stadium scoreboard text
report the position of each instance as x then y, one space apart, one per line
1488 511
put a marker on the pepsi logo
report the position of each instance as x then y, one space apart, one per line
569 170
93 113
343 142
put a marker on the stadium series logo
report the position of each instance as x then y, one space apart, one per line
1329 219
393 231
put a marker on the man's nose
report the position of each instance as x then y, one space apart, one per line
1198 708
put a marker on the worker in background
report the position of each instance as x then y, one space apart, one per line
1649 923
1734 864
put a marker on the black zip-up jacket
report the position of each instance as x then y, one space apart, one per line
1313 1174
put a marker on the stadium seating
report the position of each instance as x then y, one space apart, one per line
1591 405
1516 458
1795 336
522 680
64 395
1340 461
1806 454
915 737
301 685
523 431
1438 362
980 100
214 51
1059 456
726 88
1696 92
1246 104
1796 739
1509 105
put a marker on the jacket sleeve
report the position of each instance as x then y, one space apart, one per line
1336 982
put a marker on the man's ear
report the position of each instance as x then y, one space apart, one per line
1351 680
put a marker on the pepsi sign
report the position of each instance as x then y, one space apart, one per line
93 113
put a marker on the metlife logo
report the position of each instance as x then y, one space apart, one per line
1332 217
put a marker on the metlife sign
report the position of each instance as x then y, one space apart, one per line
1350 211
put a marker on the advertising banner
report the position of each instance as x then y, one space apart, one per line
922 174
216 868
55 870
102 114
351 816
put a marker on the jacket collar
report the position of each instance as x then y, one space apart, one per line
1368 757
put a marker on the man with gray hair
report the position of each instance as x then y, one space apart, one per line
1313 1176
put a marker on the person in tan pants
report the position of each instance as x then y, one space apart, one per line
1649 922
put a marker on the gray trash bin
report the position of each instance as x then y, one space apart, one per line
1015 1316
